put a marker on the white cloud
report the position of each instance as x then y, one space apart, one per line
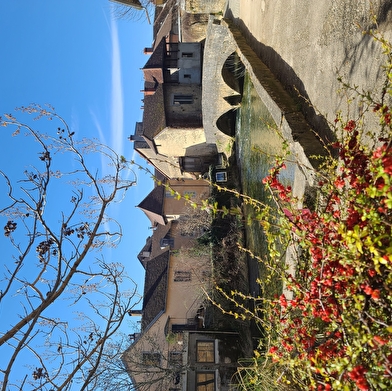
117 98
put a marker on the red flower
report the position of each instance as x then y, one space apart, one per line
380 340
358 376
387 164
367 289
273 350
375 294
283 300
350 126
339 183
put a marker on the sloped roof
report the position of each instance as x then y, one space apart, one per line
155 288
154 118
159 176
157 56
146 249
163 20
167 166
152 205
152 77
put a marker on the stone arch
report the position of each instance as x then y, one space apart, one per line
221 92
233 72
226 122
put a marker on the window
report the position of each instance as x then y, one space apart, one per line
187 54
151 359
175 358
189 194
180 99
170 194
205 381
167 242
182 276
187 76
205 351
221 176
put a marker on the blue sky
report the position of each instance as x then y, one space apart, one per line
76 56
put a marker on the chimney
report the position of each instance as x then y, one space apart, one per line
135 137
148 51
135 312
133 337
148 91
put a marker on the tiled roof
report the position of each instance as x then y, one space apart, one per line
155 288
154 119
157 56
163 20
152 205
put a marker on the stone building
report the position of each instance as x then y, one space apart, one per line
168 201
171 136
176 349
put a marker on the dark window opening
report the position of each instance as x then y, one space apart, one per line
182 276
182 99
151 359
167 242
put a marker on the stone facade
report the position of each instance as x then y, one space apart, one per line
212 359
203 6
175 349
172 305
172 128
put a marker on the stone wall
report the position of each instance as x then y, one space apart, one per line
194 17
183 115
204 6
219 45
194 26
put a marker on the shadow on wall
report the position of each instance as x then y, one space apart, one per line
384 13
356 47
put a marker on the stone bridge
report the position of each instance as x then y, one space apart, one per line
223 39
219 45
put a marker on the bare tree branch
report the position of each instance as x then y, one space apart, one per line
51 237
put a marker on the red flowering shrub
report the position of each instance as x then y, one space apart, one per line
335 333
339 321
331 329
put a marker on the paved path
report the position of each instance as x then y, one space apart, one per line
308 44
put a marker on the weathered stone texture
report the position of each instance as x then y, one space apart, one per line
204 6
218 46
